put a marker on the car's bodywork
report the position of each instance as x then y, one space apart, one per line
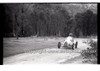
67 45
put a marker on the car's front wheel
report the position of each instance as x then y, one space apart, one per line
59 44
73 46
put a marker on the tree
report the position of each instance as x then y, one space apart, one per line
85 22
47 20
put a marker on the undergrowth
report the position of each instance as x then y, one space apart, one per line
90 54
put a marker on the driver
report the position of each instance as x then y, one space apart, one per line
69 40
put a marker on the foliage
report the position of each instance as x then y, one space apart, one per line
91 53
47 20
86 23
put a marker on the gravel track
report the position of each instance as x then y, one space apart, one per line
41 51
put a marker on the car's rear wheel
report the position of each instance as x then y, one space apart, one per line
59 44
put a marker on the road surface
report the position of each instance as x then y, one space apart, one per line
41 51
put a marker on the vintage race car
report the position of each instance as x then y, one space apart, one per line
73 44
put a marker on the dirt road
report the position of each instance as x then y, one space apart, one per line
41 51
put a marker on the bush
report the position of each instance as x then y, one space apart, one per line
91 53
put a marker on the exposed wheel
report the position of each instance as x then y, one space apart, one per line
73 46
76 44
59 44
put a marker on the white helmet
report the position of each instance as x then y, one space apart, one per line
70 34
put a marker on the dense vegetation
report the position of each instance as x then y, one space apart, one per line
47 20
91 53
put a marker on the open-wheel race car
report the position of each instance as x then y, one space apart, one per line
72 44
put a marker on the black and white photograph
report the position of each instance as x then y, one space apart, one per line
49 33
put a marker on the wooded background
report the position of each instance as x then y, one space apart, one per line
23 20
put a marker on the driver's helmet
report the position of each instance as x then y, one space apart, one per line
70 34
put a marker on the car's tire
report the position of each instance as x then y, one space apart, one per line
76 44
73 47
59 45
